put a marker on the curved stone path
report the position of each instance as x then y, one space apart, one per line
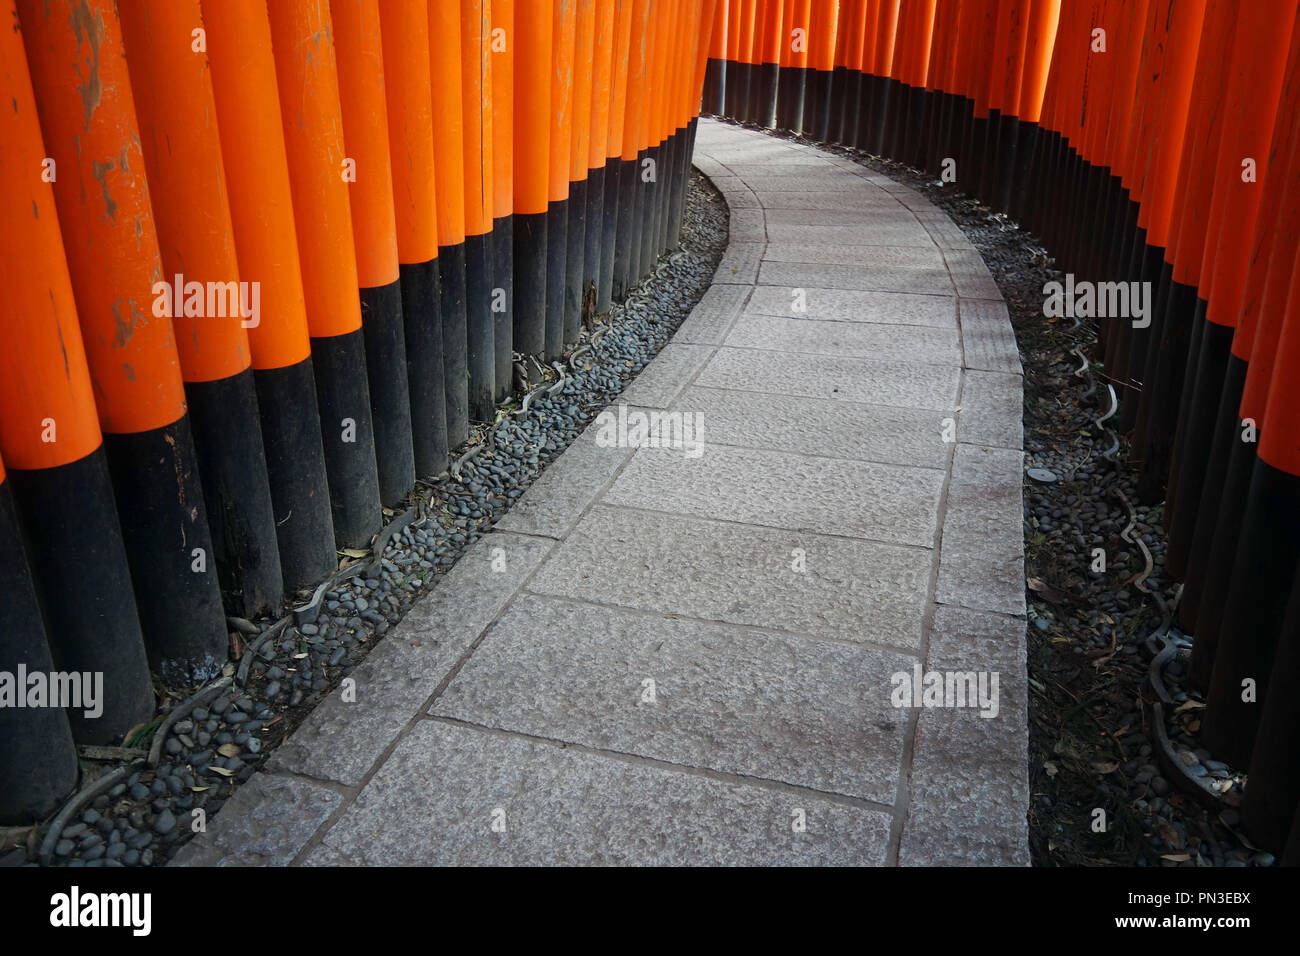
688 654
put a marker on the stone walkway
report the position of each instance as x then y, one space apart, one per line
687 655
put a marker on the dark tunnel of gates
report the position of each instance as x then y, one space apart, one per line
1152 146
269 264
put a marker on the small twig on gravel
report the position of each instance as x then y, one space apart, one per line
179 711
73 807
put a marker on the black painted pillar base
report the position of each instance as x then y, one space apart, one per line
1184 411
1209 498
422 321
595 233
237 491
1168 385
38 760
557 251
1264 567
390 393
575 261
1008 149
295 467
614 193
855 107
682 150
480 347
530 283
798 93
83 584
455 341
1149 275
769 84
1273 795
627 207
1022 172
343 397
503 304
652 189
169 549
715 82
817 111
885 91
840 89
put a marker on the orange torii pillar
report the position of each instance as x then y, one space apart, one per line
947 81
970 168
1161 77
261 207
897 93
769 61
404 32
654 171
502 47
1125 138
600 188
840 87
1196 179
715 73
1255 356
1117 80
618 172
677 116
684 30
681 128
886 37
1010 63
449 157
1270 805
821 63
1132 155
575 259
359 50
1213 462
960 119
1100 72
38 760
1040 39
667 147
751 56
940 83
731 55
532 147
792 82
107 223
647 163
172 90
1250 103
1091 46
626 251
320 169
563 40
916 100
866 64
50 440
481 299
1154 219
737 72
1110 140
697 69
